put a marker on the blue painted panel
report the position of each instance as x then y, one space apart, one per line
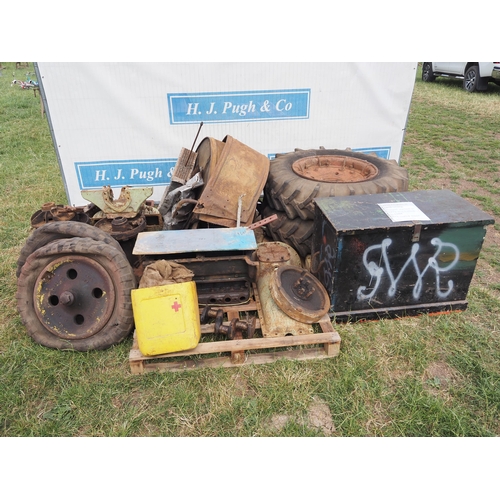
222 107
199 240
118 173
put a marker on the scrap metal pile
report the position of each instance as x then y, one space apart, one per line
231 220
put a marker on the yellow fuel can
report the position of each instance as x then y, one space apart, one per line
166 318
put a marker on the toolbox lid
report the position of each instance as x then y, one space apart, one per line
371 211
194 240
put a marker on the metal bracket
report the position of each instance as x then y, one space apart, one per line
417 229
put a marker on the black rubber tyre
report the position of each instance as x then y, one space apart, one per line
471 79
75 294
427 73
294 232
59 230
289 192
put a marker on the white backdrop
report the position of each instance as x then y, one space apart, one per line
125 123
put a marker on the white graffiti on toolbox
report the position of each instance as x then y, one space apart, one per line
376 271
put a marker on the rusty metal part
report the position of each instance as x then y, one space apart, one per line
50 212
209 152
247 328
220 280
208 313
74 297
240 171
221 259
274 252
225 291
154 220
263 222
129 204
299 294
228 330
177 208
185 166
335 169
273 321
194 142
122 228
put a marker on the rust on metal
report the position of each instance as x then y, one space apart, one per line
273 251
50 212
273 321
335 169
121 228
209 152
129 204
299 294
263 222
185 166
246 328
74 297
240 173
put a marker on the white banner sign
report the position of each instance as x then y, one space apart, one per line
124 124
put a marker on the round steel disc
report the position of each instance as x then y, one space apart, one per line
74 297
299 294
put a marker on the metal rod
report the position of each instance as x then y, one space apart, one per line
194 142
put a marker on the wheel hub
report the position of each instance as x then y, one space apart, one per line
334 169
74 297
299 294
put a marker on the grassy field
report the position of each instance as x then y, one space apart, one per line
421 376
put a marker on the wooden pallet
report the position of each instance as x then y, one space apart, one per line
240 352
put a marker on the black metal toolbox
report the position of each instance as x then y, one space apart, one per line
396 254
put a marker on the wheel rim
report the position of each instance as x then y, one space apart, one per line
470 80
74 297
425 71
338 169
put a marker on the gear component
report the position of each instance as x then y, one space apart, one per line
299 294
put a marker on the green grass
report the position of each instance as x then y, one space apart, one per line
421 376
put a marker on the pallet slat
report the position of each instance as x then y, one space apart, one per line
298 348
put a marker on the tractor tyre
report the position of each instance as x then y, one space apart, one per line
294 232
75 294
296 179
60 230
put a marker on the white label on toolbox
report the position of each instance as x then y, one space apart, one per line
403 211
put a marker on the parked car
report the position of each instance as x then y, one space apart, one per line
496 72
476 75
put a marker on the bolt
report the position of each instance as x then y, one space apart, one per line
66 298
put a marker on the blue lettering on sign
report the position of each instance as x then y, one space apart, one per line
95 174
221 107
